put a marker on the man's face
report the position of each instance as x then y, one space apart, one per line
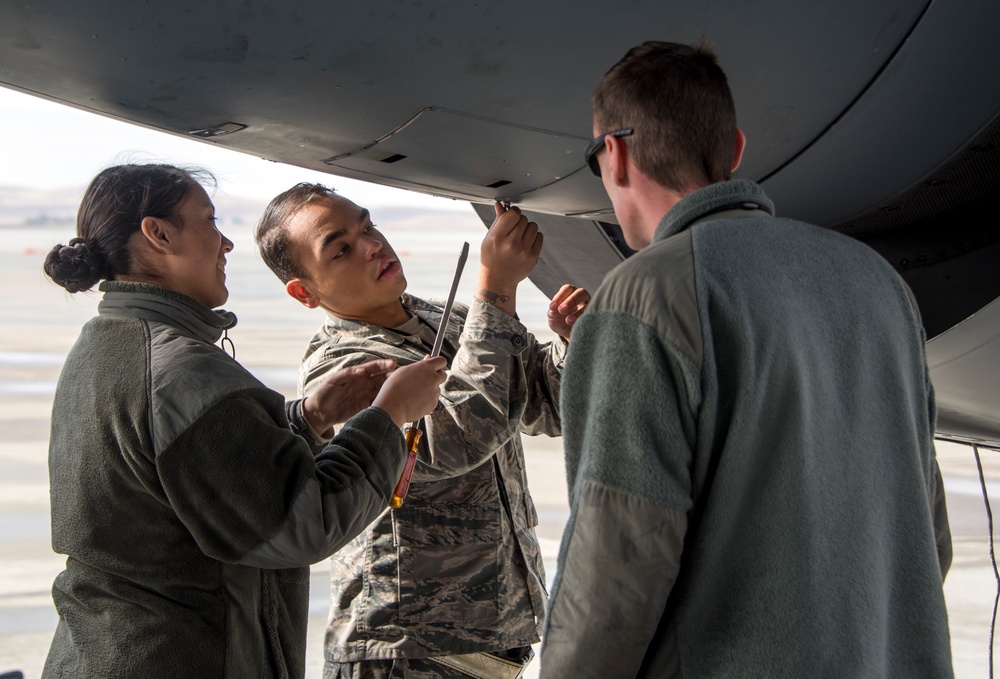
347 264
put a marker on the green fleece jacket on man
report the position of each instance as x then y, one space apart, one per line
749 440
185 502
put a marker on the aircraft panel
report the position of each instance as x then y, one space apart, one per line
964 364
576 251
468 154
311 81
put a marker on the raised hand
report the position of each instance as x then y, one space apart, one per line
511 247
412 391
565 308
507 255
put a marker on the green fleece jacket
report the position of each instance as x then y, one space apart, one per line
187 506
749 440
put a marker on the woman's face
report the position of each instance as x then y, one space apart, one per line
200 250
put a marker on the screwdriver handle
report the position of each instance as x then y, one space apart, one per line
413 435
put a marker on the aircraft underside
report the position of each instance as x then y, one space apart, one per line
879 120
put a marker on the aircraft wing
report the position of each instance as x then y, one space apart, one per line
879 120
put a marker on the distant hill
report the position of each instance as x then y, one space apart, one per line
29 207
21 207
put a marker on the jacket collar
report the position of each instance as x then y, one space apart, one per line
426 311
735 194
123 299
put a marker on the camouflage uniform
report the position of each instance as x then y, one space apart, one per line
457 569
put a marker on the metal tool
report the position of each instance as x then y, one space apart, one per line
414 431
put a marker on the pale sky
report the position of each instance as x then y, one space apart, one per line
46 145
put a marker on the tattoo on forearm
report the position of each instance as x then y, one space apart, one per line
493 298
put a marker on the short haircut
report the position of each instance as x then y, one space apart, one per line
677 100
272 229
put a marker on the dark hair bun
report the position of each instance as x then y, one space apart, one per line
75 266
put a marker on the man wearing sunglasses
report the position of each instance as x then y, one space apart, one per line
748 422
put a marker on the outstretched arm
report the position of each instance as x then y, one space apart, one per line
344 394
339 394
252 492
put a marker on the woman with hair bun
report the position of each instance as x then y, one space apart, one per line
188 497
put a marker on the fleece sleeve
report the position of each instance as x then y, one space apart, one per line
938 504
629 433
298 423
251 492
942 528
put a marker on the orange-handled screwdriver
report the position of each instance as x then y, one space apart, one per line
413 435
414 432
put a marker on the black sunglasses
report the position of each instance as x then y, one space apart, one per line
590 153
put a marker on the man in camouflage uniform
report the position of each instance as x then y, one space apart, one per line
451 584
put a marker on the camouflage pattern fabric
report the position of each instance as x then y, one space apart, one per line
418 668
470 666
457 569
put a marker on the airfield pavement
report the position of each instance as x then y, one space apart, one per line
40 322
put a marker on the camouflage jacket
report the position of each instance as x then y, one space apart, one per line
457 569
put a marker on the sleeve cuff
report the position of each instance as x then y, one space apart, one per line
559 348
299 425
486 323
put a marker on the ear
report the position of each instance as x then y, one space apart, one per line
158 233
618 161
297 290
741 142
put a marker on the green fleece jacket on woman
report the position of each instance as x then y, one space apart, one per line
749 438
187 505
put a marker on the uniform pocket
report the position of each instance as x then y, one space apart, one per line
447 562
